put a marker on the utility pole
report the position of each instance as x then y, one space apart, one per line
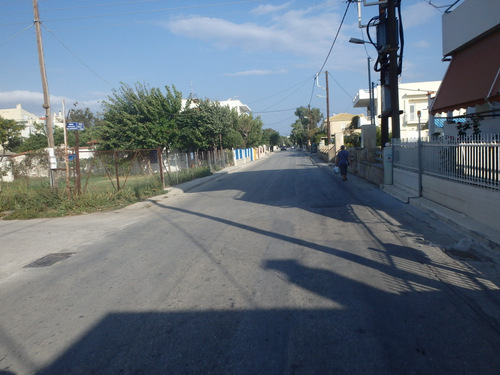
388 57
46 96
327 111
392 30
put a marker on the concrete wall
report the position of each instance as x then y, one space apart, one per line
480 204
366 163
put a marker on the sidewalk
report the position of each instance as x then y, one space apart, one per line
477 231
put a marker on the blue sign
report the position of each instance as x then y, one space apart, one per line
75 126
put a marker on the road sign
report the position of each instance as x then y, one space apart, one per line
75 126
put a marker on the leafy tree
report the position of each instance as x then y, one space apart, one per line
275 139
140 117
10 132
192 134
250 129
305 127
270 137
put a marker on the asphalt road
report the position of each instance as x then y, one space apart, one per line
276 268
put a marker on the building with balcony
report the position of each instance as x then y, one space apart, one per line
413 99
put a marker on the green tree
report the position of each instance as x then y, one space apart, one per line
140 117
250 129
305 127
10 133
192 133
275 139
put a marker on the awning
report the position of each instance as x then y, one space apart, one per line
472 78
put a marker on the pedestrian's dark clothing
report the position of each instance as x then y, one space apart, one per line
343 162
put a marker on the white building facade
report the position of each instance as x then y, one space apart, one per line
23 117
413 100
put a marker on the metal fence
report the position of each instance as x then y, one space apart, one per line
87 168
473 160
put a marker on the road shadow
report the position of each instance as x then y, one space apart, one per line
414 321
369 331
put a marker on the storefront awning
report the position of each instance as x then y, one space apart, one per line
473 77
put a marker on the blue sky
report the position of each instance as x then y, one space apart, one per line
265 53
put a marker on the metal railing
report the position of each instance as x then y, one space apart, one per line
473 160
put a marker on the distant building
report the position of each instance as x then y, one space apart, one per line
22 117
29 120
340 122
413 97
231 103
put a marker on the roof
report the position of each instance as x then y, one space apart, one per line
344 117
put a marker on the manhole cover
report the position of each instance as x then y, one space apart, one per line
49 260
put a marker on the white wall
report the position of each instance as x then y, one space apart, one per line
480 204
468 21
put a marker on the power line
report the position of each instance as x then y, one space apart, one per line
16 34
340 86
278 110
145 11
301 83
286 97
331 48
336 36
76 57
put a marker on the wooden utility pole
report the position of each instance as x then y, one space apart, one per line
327 111
45 86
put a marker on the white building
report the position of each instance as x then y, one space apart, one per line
29 120
23 117
413 97
231 103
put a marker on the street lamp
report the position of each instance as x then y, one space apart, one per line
370 86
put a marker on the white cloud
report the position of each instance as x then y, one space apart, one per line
32 101
296 32
422 44
265 9
257 73
418 14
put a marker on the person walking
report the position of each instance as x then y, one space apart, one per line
343 162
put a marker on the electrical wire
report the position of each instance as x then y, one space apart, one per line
16 35
344 90
75 56
330 51
301 83
148 11
336 36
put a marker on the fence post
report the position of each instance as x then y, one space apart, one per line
116 171
388 155
160 164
